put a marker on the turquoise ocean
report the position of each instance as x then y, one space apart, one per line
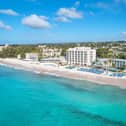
29 99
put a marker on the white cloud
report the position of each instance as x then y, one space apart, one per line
102 5
4 26
91 13
69 13
35 21
63 19
77 3
8 12
120 1
124 33
117 1
32 0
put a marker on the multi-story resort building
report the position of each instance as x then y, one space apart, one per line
82 56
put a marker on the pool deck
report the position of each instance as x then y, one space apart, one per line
66 73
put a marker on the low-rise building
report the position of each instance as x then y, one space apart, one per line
116 63
31 56
54 60
119 63
82 56
104 62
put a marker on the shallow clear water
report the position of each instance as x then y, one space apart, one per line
28 99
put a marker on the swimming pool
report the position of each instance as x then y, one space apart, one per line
91 70
117 74
70 67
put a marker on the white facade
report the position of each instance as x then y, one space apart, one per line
31 56
82 56
18 56
3 47
48 52
54 60
119 63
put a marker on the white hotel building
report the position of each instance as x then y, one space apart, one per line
81 56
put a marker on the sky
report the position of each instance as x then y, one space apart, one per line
52 21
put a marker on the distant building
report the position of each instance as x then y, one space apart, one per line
6 45
3 47
18 56
41 46
116 53
31 56
82 56
49 52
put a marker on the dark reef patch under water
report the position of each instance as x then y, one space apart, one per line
27 99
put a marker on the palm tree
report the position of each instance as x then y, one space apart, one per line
106 63
110 55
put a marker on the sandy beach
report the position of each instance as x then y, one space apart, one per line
63 72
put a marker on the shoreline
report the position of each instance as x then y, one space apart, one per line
65 73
